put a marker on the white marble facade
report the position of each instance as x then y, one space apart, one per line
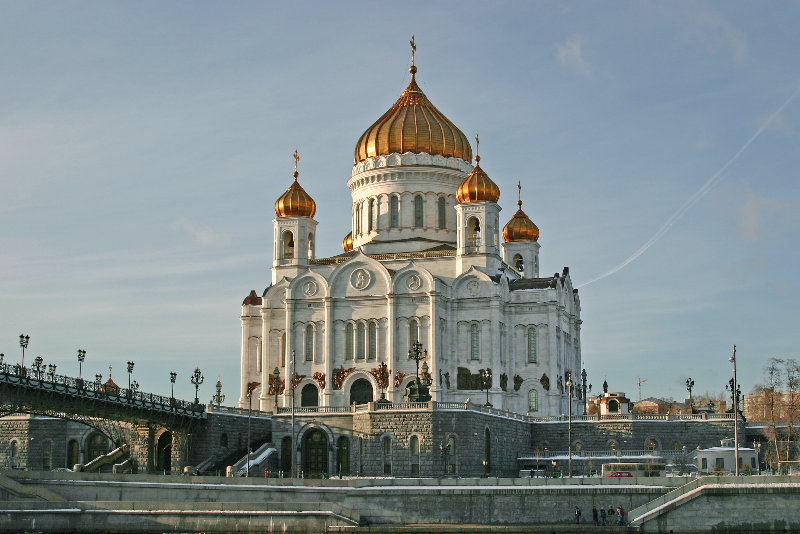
424 267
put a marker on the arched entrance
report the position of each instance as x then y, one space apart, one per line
164 452
72 453
97 446
361 391
286 456
315 453
343 458
309 396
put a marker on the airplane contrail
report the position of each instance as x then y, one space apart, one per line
700 193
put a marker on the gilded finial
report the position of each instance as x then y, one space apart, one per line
296 160
477 148
413 68
109 372
519 197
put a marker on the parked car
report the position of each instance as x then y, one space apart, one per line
619 474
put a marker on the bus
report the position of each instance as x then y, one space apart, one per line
648 468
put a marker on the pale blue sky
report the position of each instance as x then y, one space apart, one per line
143 144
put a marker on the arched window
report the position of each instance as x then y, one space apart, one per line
441 213
288 245
474 342
612 445
519 265
283 349
533 401
394 212
309 396
452 456
13 455
361 342
223 440
47 455
309 344
310 245
418 211
532 345
473 234
348 341
343 457
256 342
676 446
370 214
578 446
387 455
361 391
651 445
413 447
413 332
613 406
372 341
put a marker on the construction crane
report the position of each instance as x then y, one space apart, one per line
639 383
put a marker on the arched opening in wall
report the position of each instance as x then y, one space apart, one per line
223 440
164 452
372 341
315 453
348 341
309 344
413 447
418 220
309 396
452 456
533 401
73 456
613 406
612 446
413 332
651 445
288 245
387 454
441 213
361 391
473 234
283 349
47 455
13 455
310 245
487 452
286 455
97 446
474 342
676 446
370 214
343 456
394 212
519 265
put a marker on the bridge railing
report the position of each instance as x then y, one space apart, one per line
43 379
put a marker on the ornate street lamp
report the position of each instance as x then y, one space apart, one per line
416 391
172 376
486 382
276 374
23 342
689 386
735 393
130 370
97 380
134 387
249 412
584 386
196 379
757 447
569 424
51 372
81 357
219 397
37 365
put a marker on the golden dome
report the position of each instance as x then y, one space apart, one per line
347 243
413 124
520 228
295 202
477 187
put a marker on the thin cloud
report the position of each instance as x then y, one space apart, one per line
720 36
201 234
753 212
570 55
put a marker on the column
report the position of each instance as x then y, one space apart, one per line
244 363
433 364
391 350
287 395
328 352
266 361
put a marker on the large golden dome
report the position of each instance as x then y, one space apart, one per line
413 124
477 187
295 202
520 227
347 242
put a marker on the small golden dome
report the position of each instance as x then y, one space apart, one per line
295 202
413 124
477 187
347 243
520 228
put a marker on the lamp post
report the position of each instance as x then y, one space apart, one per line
757 447
23 342
134 387
196 379
218 397
172 376
569 425
37 365
689 386
130 370
421 393
276 374
732 359
51 372
97 380
291 385
249 411
81 357
584 386
486 382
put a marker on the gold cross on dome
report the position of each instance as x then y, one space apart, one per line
413 49
296 159
477 144
519 195
109 372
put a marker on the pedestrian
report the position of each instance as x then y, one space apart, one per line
577 515
602 516
620 515
595 516
611 514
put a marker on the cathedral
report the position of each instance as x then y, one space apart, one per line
426 302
